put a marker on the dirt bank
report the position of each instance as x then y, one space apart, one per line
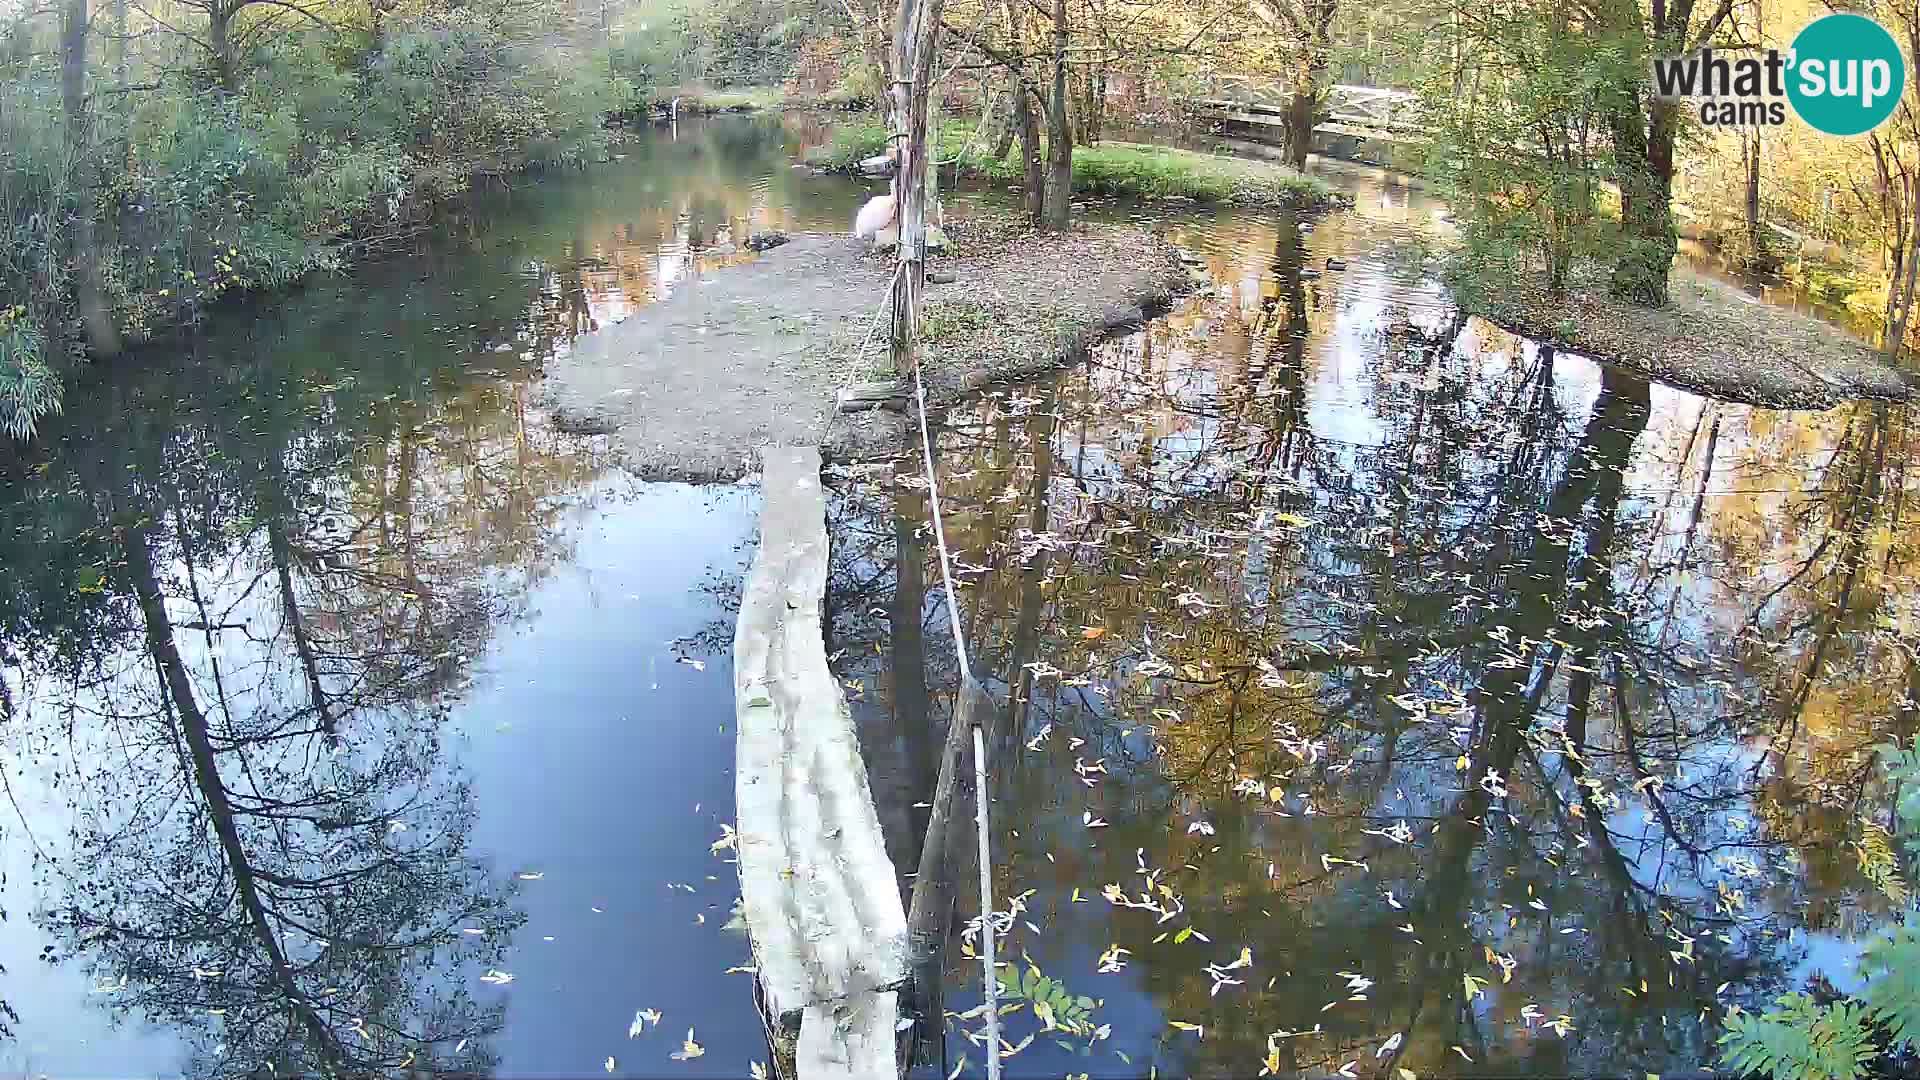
1711 339
692 386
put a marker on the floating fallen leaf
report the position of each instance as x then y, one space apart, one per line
497 977
727 840
688 1050
1197 1029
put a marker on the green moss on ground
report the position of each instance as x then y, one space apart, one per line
700 101
1111 169
1709 338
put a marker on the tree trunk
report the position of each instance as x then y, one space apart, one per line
1756 241
1083 90
1096 119
296 623
1902 306
1299 125
220 36
206 775
81 251
1309 71
1643 145
1033 171
1025 121
1001 123
1059 208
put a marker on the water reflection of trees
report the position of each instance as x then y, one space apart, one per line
241 592
1603 653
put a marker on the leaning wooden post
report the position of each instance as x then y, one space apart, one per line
932 902
919 26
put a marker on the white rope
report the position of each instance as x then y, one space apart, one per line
992 986
986 903
939 530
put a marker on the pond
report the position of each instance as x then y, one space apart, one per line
1382 691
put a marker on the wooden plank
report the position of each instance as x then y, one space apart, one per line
880 394
821 898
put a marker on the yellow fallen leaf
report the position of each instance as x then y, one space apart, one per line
1093 632
689 1050
1184 1026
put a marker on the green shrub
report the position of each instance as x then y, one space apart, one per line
36 202
214 191
1801 1040
29 387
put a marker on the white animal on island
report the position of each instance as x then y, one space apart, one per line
877 220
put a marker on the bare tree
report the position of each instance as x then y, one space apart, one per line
231 30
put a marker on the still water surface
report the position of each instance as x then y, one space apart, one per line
1385 692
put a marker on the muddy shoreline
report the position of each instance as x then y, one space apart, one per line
691 387
1711 339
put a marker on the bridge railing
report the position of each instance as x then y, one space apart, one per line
1354 110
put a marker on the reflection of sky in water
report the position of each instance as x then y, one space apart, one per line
605 765
589 746
1388 462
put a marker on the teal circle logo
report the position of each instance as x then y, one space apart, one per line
1845 75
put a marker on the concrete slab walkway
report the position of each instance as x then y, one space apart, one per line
821 898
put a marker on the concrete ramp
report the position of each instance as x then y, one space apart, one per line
821 898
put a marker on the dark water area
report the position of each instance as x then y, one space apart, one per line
1381 690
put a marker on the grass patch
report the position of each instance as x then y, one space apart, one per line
1111 169
942 322
855 141
700 100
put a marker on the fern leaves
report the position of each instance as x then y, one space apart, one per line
1891 963
1800 1040
1879 862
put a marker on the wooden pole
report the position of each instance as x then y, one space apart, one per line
928 910
918 33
